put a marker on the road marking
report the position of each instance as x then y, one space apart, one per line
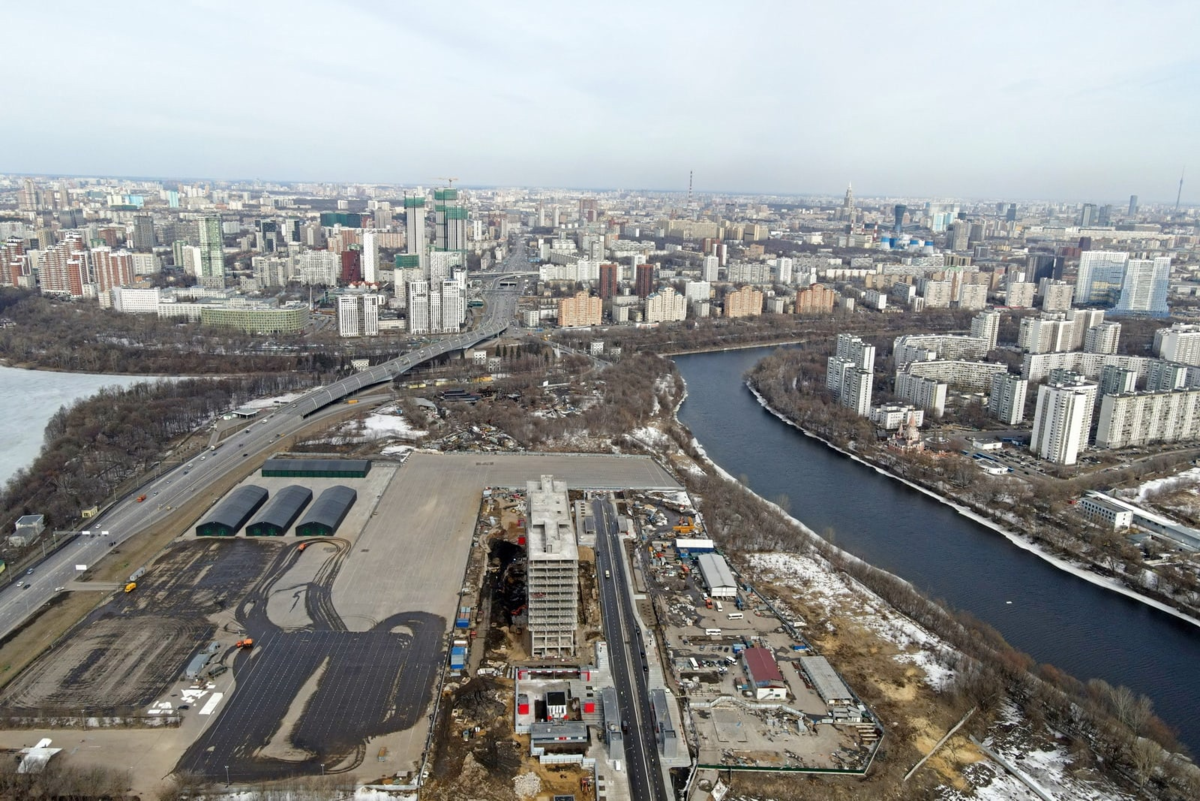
211 704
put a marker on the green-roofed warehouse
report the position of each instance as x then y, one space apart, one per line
274 519
327 512
316 468
233 512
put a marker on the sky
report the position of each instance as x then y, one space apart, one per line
1056 99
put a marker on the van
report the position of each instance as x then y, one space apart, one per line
713 632
736 616
607 574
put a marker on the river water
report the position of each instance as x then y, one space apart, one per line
31 398
1055 616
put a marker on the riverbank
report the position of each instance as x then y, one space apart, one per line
1025 543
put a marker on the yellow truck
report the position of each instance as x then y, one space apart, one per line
131 586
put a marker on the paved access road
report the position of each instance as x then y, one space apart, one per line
627 660
166 492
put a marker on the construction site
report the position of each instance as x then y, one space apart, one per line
258 652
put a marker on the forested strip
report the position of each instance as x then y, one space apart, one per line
97 444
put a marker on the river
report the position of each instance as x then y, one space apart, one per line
31 398
1055 616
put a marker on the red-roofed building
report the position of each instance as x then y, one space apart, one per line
764 674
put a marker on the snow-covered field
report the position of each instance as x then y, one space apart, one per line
267 403
379 426
1186 478
838 591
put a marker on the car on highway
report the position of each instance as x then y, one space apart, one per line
25 586
29 572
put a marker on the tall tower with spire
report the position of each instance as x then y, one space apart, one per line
847 212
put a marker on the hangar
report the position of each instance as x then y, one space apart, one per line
327 512
277 516
233 512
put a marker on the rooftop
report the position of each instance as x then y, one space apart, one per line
549 530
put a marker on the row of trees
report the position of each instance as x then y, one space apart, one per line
97 444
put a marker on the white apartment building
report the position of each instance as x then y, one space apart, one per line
552 582
937 294
894 416
1057 296
1037 366
856 390
1117 380
925 393
972 296
1062 421
1103 338
418 307
959 373
709 271
1020 295
697 290
1179 343
986 326
1148 417
666 306
1101 275
928 347
358 315
874 299
318 267
1007 399
854 349
370 256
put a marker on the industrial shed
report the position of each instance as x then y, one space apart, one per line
327 512
718 578
316 468
277 516
826 681
233 512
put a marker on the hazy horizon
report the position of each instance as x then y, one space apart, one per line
1015 100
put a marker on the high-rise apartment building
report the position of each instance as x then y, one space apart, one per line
986 326
666 306
580 310
370 256
1117 380
418 307
697 291
414 228
1101 276
974 296
552 577
1148 417
608 281
450 221
143 232
644 280
1020 295
1144 290
111 269
856 391
745 302
1057 296
816 299
1179 343
925 393
711 268
358 315
1103 338
351 266
212 253
65 268
937 294
1062 421
1007 399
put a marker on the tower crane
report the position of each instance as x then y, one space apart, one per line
449 181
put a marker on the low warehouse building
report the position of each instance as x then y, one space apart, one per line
327 512
718 578
827 682
233 512
316 468
277 516
764 674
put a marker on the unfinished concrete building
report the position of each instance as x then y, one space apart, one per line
552 582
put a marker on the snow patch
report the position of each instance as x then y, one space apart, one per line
1183 479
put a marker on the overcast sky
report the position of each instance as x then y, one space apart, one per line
1050 99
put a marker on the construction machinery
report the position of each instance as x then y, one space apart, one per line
131 586
687 525
246 643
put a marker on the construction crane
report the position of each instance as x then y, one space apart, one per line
449 181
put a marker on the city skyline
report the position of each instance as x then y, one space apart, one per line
1010 100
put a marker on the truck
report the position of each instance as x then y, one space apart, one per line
131 586
607 574
246 643
720 608
141 498
352 401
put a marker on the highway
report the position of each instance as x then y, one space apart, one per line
167 491
627 660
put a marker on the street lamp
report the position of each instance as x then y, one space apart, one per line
226 775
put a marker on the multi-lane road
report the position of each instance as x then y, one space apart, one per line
627 660
169 490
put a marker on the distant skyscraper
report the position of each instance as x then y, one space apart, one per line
710 270
1011 214
418 307
351 266
899 211
370 257
1104 216
1144 290
414 213
644 281
847 212
608 281
1087 215
1133 205
212 253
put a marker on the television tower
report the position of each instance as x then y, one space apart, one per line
1179 194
